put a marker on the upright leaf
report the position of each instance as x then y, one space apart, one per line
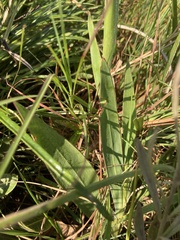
139 223
95 54
129 115
110 132
148 174
110 29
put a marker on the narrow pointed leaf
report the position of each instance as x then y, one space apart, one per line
95 54
110 29
148 174
139 223
129 115
173 228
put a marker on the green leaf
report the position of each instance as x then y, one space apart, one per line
139 223
13 99
35 225
110 133
173 53
8 157
95 54
31 212
66 155
59 173
129 115
6 236
173 228
7 183
110 30
138 123
153 229
148 174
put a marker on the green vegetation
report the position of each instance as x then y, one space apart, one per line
89 119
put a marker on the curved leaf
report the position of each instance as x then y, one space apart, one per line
7 183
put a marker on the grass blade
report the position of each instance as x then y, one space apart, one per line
148 174
95 54
172 54
175 183
31 212
173 228
139 223
22 130
129 115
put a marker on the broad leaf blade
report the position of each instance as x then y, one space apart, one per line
110 133
62 150
59 173
67 156
110 30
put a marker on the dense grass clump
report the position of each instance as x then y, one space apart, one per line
89 119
